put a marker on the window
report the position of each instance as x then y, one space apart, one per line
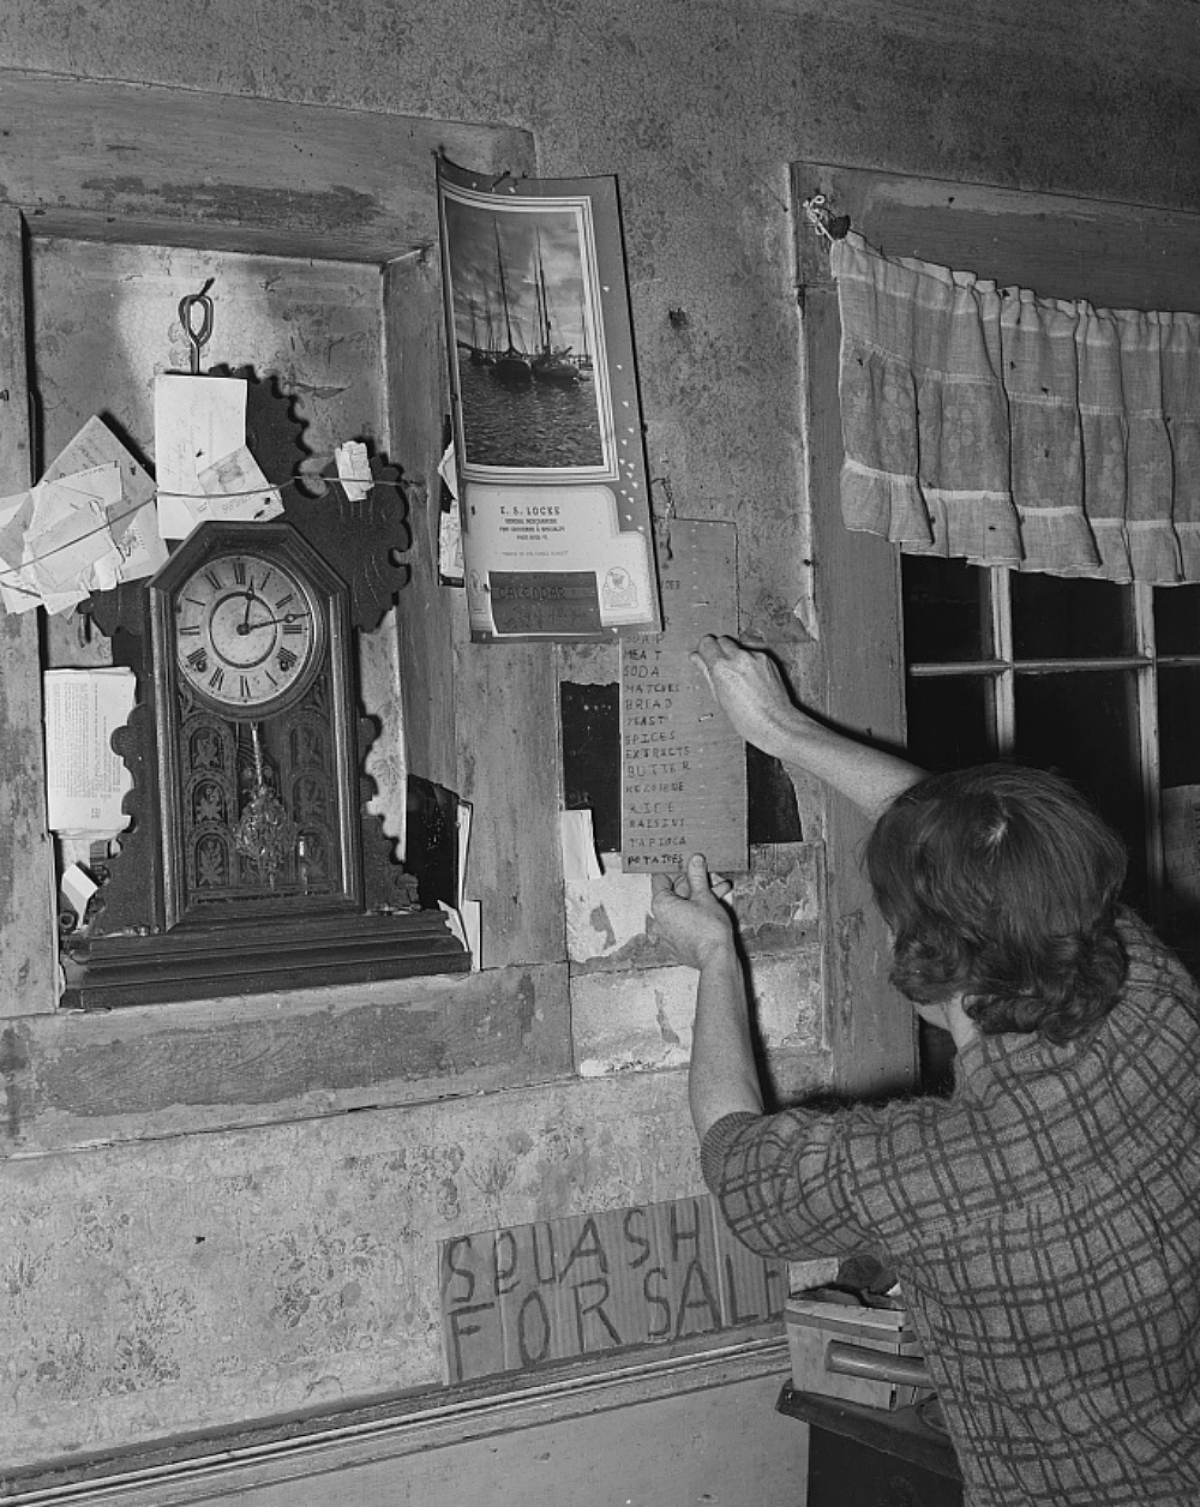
960 663
1098 680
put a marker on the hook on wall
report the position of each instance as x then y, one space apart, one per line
198 338
823 220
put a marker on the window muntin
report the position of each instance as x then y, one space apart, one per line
1099 680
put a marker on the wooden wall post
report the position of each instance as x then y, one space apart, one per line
28 956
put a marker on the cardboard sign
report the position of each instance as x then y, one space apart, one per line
684 766
524 1297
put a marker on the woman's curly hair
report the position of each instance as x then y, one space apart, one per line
1001 881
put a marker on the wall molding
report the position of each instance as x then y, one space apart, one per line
225 1466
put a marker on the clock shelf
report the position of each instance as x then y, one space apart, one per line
111 972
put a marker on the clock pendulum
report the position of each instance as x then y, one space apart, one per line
265 833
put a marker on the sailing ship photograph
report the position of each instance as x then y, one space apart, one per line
532 386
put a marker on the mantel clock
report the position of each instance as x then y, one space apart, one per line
252 862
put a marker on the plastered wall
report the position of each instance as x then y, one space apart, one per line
169 1273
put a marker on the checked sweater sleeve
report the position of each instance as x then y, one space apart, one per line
805 1183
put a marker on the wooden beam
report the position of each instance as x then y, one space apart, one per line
175 167
111 1076
417 381
509 755
872 1030
1114 255
28 958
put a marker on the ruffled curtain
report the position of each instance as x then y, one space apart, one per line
1008 429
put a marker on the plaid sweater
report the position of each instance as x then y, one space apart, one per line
1045 1222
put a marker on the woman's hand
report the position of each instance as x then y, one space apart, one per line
691 918
751 691
689 915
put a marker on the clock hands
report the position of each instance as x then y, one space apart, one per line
270 622
246 626
255 640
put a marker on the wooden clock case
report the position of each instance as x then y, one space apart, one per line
157 934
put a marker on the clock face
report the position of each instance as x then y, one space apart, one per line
249 633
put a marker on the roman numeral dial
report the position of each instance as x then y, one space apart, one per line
249 633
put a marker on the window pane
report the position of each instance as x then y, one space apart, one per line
1085 726
949 721
1180 812
1177 619
1179 726
945 610
1057 618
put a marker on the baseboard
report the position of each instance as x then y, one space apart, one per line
229 1466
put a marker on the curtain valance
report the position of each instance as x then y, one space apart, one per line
1009 429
